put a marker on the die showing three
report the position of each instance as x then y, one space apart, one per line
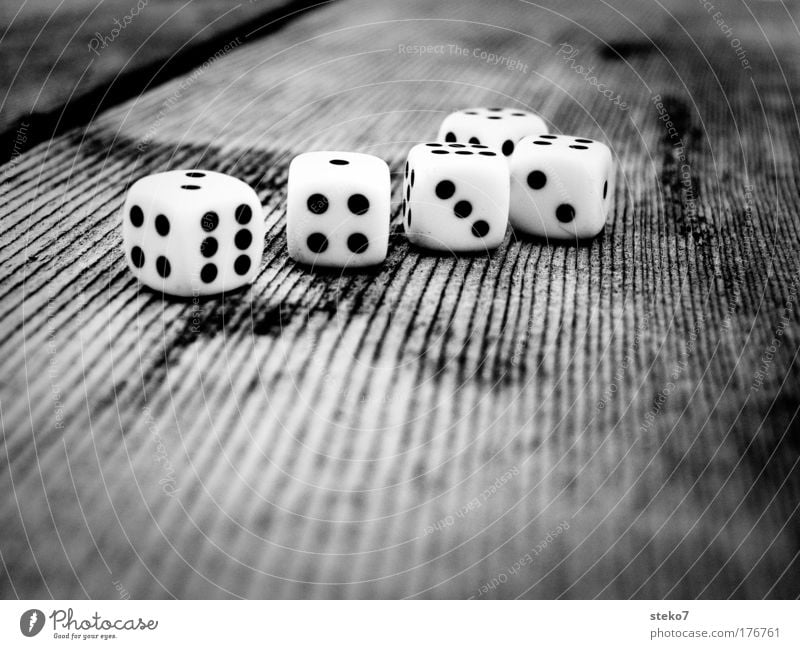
455 197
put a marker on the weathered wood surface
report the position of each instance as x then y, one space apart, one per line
327 435
55 52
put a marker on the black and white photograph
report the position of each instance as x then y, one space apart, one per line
420 300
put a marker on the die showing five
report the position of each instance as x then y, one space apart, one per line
498 128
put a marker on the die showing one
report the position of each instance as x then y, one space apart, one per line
455 197
499 128
561 186
337 212
192 232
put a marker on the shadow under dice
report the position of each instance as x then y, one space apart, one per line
499 128
561 186
455 197
192 232
338 209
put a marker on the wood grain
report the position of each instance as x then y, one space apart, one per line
55 53
616 418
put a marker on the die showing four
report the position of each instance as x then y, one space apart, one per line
192 232
337 209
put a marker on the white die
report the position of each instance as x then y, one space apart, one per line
455 197
561 186
499 128
192 232
337 211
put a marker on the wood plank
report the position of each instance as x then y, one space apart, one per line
65 63
613 410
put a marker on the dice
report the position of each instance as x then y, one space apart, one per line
192 232
337 212
499 128
455 197
561 186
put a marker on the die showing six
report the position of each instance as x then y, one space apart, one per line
192 232
196 232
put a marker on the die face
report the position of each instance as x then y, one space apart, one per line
498 128
192 232
338 208
561 186
455 197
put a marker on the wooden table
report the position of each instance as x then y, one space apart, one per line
611 419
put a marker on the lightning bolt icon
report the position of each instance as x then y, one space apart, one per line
32 621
